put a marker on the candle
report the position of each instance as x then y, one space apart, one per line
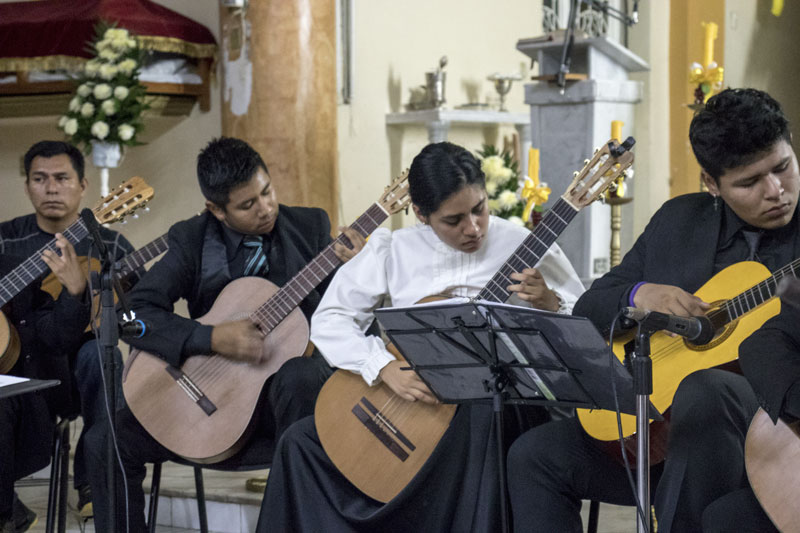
616 130
533 165
708 43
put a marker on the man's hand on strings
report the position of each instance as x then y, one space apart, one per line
669 299
240 340
63 262
344 253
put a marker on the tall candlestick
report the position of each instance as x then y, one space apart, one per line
533 164
708 43
616 130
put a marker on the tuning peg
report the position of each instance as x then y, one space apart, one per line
135 216
596 150
629 173
123 221
146 208
585 162
575 174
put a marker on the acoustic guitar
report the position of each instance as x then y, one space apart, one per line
122 201
378 440
772 461
123 268
202 410
743 297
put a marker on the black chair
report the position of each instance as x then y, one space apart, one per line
594 511
59 478
155 487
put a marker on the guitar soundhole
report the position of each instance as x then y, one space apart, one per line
723 334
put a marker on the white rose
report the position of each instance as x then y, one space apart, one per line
107 72
491 188
71 126
126 132
494 206
85 90
87 109
492 166
127 66
109 107
121 93
62 121
131 43
100 129
108 54
74 104
516 220
102 45
91 68
507 199
102 91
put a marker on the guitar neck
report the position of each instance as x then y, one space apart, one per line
269 315
136 259
29 270
530 251
756 295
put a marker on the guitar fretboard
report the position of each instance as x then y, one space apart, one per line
530 251
754 296
134 260
290 295
26 272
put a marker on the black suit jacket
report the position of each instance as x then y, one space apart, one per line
678 247
770 359
301 233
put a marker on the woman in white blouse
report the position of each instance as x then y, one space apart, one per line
455 250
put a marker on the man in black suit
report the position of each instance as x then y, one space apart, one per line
205 253
742 141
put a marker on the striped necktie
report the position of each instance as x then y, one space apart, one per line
256 262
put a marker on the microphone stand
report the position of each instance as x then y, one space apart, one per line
642 367
108 339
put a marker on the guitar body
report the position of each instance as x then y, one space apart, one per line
772 459
361 443
674 358
378 440
9 345
53 287
185 426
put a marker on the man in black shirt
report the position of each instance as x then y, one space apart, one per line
205 253
743 144
55 184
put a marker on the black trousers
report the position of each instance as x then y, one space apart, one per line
288 395
553 467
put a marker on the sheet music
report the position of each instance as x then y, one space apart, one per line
6 380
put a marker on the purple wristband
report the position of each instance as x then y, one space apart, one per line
633 293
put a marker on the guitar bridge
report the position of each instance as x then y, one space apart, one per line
192 391
377 424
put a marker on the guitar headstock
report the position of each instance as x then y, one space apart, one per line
607 164
396 198
123 200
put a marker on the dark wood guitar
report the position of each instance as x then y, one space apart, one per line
380 441
202 410
772 460
743 297
122 201
123 268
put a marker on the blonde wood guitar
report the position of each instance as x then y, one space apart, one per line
122 201
743 297
379 441
772 460
202 411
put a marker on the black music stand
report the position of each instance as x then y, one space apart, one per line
478 351
26 385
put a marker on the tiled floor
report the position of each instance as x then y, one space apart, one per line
230 507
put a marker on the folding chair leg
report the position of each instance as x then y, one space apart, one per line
201 499
594 511
59 478
152 510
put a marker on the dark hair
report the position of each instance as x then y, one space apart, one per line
440 170
736 127
224 164
51 149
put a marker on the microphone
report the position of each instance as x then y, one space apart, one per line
134 329
696 329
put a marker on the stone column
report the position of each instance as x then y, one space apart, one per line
278 60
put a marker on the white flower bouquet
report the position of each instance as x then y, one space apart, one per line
109 100
502 184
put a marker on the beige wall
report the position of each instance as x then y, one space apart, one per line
395 44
